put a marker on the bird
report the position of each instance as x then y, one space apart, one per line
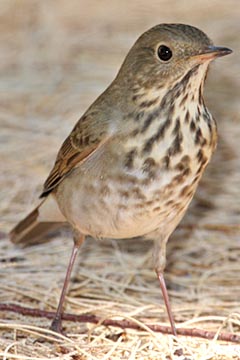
133 161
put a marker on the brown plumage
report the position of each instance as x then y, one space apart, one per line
133 161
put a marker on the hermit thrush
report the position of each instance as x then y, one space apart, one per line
133 161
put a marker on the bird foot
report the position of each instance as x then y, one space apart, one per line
56 326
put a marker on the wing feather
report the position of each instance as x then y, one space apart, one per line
84 139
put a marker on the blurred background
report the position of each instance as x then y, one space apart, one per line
56 57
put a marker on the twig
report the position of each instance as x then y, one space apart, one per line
124 324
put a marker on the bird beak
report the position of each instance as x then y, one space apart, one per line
212 52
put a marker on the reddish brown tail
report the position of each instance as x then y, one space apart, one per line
42 221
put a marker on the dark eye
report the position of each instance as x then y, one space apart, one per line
164 53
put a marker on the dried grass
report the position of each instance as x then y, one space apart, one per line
56 57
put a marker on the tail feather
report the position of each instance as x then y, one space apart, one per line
34 227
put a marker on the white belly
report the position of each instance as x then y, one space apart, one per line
109 209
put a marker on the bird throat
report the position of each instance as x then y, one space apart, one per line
174 123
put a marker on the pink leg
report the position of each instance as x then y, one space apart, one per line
166 300
57 321
159 255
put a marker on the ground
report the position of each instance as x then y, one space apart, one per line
56 57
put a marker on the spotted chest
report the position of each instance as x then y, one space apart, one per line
153 171
179 139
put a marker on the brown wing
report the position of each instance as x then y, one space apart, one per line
84 139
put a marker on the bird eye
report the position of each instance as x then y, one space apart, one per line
164 53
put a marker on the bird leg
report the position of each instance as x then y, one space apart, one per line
57 321
160 262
